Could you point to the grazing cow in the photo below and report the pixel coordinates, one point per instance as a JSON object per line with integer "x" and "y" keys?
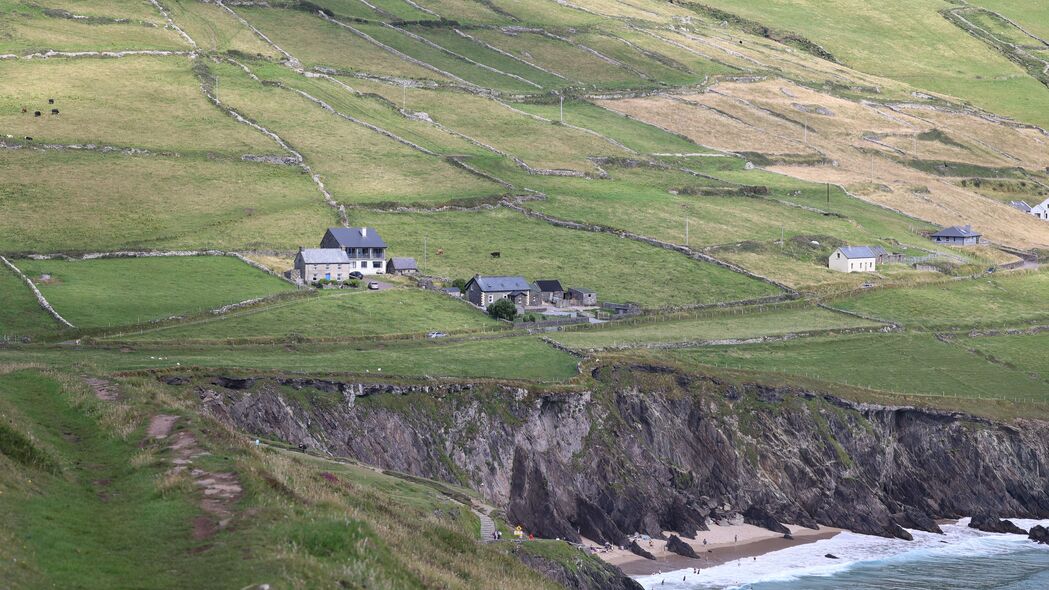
{"x": 440, "y": 251}
{"x": 27, "y": 138}
{"x": 25, "y": 110}
{"x": 303, "y": 447}
{"x": 54, "y": 111}
{"x": 496, "y": 254}
{"x": 50, "y": 101}
{"x": 37, "y": 113}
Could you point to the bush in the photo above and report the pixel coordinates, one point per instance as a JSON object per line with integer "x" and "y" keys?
{"x": 504, "y": 309}
{"x": 460, "y": 284}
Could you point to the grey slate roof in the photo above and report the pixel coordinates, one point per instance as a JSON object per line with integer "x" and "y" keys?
{"x": 404, "y": 263}
{"x": 853, "y": 252}
{"x": 957, "y": 231}
{"x": 324, "y": 256}
{"x": 582, "y": 290}
{"x": 879, "y": 251}
{"x": 351, "y": 237}
{"x": 1021, "y": 205}
{"x": 501, "y": 284}
{"x": 549, "y": 286}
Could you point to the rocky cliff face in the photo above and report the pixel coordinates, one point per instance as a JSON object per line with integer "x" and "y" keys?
{"x": 647, "y": 449}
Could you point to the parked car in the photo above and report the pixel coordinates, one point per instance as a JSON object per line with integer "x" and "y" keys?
{"x": 436, "y": 335}
{"x": 357, "y": 275}
{"x": 867, "y": 285}
{"x": 373, "y": 286}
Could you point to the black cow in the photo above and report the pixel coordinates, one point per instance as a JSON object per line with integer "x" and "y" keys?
{"x": 50, "y": 101}
{"x": 496, "y": 254}
{"x": 54, "y": 111}
{"x": 37, "y": 113}
{"x": 27, "y": 138}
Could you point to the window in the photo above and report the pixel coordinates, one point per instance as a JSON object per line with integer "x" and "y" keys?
{"x": 353, "y": 265}
{"x": 377, "y": 264}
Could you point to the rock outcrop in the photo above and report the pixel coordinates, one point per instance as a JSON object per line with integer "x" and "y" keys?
{"x": 586, "y": 573}
{"x": 649, "y": 449}
{"x": 1039, "y": 534}
{"x": 990, "y": 523}
{"x": 676, "y": 545}
{"x": 636, "y": 549}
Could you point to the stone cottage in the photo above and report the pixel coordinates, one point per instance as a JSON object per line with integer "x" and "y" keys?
{"x": 317, "y": 264}
{"x": 958, "y": 235}
{"x": 485, "y": 290}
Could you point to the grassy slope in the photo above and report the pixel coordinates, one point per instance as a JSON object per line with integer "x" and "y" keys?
{"x": 20, "y": 315}
{"x": 153, "y": 103}
{"x": 498, "y": 358}
{"x": 1033, "y": 15}
{"x": 395, "y": 172}
{"x": 110, "y": 517}
{"x": 112, "y": 292}
{"x": 905, "y": 363}
{"x": 1023, "y": 352}
{"x": 618, "y": 269}
{"x": 337, "y": 314}
{"x": 92, "y": 201}
{"x": 910, "y": 42}
{"x": 716, "y": 327}
{"x": 25, "y": 29}
{"x": 999, "y": 300}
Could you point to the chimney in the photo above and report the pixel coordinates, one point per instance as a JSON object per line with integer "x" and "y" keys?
{"x": 301, "y": 248}
{"x": 364, "y": 232}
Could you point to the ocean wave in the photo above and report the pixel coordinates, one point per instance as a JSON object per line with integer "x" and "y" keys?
{"x": 852, "y": 550}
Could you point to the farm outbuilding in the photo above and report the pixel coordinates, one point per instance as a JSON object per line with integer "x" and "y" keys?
{"x": 402, "y": 266}
{"x": 958, "y": 235}
{"x": 853, "y": 259}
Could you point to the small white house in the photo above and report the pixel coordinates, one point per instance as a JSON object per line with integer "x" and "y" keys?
{"x": 853, "y": 259}
{"x": 1041, "y": 210}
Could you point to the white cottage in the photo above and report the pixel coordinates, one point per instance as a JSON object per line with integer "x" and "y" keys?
{"x": 853, "y": 259}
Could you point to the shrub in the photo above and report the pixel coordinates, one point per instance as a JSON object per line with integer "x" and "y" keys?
{"x": 504, "y": 309}
{"x": 460, "y": 284}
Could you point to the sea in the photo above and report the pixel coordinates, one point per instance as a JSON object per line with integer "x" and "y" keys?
{"x": 960, "y": 559}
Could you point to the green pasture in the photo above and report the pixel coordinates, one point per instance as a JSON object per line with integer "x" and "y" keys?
{"x": 212, "y": 28}
{"x": 457, "y": 244}
{"x": 718, "y": 325}
{"x": 20, "y": 314}
{"x": 26, "y": 28}
{"x": 334, "y": 314}
{"x": 1004, "y": 299}
{"x": 540, "y": 144}
{"x": 1032, "y": 15}
{"x": 357, "y": 164}
{"x": 85, "y": 201}
{"x": 910, "y": 42}
{"x": 498, "y": 358}
{"x": 561, "y": 57}
{"x": 118, "y": 291}
{"x": 145, "y": 102}
{"x": 1023, "y": 352}
{"x": 642, "y": 137}
{"x": 917, "y": 364}
{"x": 477, "y": 51}
{"x": 445, "y": 62}
{"x": 317, "y": 42}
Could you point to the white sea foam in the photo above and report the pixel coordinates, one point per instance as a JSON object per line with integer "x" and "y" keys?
{"x": 850, "y": 548}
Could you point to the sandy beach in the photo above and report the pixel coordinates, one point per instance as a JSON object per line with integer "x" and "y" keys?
{"x": 724, "y": 544}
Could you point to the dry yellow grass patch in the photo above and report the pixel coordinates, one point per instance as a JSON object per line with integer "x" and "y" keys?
{"x": 771, "y": 117}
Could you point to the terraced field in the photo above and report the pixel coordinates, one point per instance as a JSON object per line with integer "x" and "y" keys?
{"x": 114, "y": 292}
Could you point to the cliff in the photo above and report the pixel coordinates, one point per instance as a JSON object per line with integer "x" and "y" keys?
{"x": 648, "y": 449}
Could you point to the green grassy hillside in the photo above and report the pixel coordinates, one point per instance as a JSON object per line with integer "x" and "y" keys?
{"x": 698, "y": 159}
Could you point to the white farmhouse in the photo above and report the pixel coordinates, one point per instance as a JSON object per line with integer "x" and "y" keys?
{"x": 1041, "y": 210}
{"x": 853, "y": 259}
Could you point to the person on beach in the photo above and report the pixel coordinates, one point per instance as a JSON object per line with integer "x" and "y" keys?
{"x": 704, "y": 540}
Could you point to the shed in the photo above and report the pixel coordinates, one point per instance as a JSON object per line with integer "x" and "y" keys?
{"x": 402, "y": 266}
{"x": 549, "y": 290}
{"x": 580, "y": 296}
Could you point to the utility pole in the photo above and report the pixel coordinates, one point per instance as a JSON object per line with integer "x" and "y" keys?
{"x": 781, "y": 237}
{"x": 562, "y": 97}
{"x": 828, "y": 193}
{"x": 404, "y": 96}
